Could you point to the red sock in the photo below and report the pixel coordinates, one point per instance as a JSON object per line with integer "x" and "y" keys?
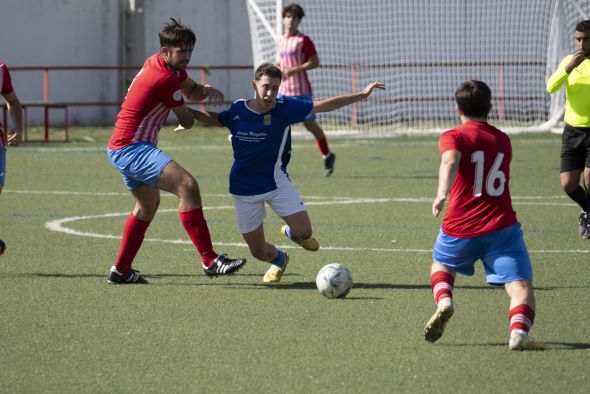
{"x": 133, "y": 232}
{"x": 196, "y": 227}
{"x": 521, "y": 317}
{"x": 441, "y": 284}
{"x": 323, "y": 146}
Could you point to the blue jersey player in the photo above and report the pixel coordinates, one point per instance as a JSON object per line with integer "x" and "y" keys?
{"x": 261, "y": 141}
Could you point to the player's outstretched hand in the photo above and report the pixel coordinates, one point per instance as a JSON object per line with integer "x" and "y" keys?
{"x": 373, "y": 85}
{"x": 214, "y": 96}
{"x": 15, "y": 137}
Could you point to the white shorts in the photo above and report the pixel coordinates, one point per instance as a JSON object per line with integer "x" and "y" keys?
{"x": 250, "y": 210}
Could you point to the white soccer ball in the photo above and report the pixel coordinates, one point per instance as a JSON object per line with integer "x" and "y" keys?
{"x": 334, "y": 281}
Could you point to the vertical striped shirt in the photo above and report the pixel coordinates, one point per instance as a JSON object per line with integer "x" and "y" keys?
{"x": 5, "y": 88}
{"x": 294, "y": 51}
{"x": 154, "y": 91}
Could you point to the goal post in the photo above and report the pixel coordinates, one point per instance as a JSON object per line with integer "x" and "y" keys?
{"x": 423, "y": 50}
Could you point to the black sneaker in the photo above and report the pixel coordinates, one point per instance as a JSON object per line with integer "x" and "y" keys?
{"x": 130, "y": 278}
{"x": 584, "y": 229}
{"x": 2, "y": 247}
{"x": 223, "y": 265}
{"x": 329, "y": 164}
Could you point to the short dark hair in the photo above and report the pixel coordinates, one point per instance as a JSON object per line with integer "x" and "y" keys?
{"x": 583, "y": 26}
{"x": 175, "y": 34}
{"x": 295, "y": 9}
{"x": 268, "y": 69}
{"x": 474, "y": 99}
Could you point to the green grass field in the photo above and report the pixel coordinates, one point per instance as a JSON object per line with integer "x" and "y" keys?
{"x": 64, "y": 329}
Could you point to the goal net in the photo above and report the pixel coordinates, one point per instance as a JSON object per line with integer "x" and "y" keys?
{"x": 422, "y": 50}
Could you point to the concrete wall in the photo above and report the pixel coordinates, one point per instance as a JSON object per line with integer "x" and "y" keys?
{"x": 88, "y": 33}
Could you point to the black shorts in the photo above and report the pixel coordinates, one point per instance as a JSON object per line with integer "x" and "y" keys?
{"x": 575, "y": 148}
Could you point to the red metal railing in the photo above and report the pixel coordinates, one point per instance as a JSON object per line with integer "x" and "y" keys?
{"x": 47, "y": 104}
{"x": 204, "y": 70}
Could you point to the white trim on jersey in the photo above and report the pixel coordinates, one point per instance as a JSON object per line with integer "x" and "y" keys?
{"x": 279, "y": 175}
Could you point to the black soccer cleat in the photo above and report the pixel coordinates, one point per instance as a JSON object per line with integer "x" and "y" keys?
{"x": 130, "y": 278}
{"x": 2, "y": 247}
{"x": 223, "y": 265}
{"x": 584, "y": 229}
{"x": 329, "y": 164}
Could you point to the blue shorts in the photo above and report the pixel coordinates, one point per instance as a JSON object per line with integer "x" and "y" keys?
{"x": 139, "y": 164}
{"x": 310, "y": 115}
{"x": 503, "y": 252}
{"x": 2, "y": 164}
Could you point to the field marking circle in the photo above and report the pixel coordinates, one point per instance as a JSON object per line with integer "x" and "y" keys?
{"x": 58, "y": 225}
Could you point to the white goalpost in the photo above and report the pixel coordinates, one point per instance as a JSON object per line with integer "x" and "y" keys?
{"x": 422, "y": 50}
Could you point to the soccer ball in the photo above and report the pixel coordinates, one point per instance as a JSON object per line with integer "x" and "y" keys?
{"x": 334, "y": 281}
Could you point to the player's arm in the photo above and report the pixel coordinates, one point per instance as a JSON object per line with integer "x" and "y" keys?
{"x": 15, "y": 110}
{"x": 556, "y": 81}
{"x": 310, "y": 64}
{"x": 332, "y": 103}
{"x": 449, "y": 164}
{"x": 207, "y": 117}
{"x": 577, "y": 58}
{"x": 196, "y": 92}
{"x": 185, "y": 117}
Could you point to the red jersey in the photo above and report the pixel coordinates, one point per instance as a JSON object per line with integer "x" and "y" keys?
{"x": 154, "y": 91}
{"x": 294, "y": 51}
{"x": 479, "y": 200}
{"x": 5, "y": 88}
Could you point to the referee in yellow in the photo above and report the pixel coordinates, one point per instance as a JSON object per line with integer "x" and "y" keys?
{"x": 574, "y": 72}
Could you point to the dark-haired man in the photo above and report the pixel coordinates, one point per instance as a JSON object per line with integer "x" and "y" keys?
{"x": 297, "y": 56}
{"x": 158, "y": 88}
{"x": 479, "y": 222}
{"x": 574, "y": 72}
{"x": 261, "y": 140}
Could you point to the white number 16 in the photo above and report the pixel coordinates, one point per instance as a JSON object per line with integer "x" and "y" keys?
{"x": 494, "y": 175}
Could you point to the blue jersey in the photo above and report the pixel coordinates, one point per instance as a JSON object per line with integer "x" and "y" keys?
{"x": 261, "y": 143}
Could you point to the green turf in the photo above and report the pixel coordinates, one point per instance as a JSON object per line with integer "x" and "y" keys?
{"x": 65, "y": 330}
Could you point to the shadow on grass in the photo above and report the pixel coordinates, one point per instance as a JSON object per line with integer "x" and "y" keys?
{"x": 568, "y": 346}
{"x": 295, "y": 285}
{"x": 549, "y": 345}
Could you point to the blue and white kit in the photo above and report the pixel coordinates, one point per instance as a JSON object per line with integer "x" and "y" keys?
{"x": 261, "y": 144}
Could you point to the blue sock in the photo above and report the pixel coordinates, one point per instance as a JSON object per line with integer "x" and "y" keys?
{"x": 280, "y": 260}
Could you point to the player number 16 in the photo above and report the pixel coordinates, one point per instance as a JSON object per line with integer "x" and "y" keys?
{"x": 495, "y": 176}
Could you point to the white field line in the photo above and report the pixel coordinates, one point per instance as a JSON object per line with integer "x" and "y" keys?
{"x": 517, "y": 200}
{"x": 58, "y": 226}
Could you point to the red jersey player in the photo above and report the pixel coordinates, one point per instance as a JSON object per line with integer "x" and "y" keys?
{"x": 12, "y": 137}
{"x": 479, "y": 222}
{"x": 297, "y": 55}
{"x": 158, "y": 88}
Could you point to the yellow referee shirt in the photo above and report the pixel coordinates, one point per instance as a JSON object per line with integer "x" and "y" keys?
{"x": 577, "y": 91}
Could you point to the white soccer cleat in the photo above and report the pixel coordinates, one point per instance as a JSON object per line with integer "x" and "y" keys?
{"x": 519, "y": 340}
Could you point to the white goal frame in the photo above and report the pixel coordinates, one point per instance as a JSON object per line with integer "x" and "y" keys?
{"x": 355, "y": 47}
